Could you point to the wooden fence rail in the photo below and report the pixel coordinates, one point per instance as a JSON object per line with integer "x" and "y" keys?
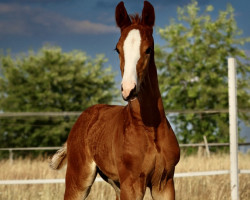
{"x": 181, "y": 145}
{"x": 206, "y": 145}
{"x": 176, "y": 175}
{"x": 77, "y": 113}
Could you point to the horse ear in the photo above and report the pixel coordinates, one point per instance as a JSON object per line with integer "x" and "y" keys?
{"x": 148, "y": 14}
{"x": 121, "y": 16}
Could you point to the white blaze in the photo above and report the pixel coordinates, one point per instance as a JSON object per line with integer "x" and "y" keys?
{"x": 131, "y": 48}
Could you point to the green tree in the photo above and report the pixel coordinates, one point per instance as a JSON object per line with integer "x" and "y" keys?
{"x": 192, "y": 68}
{"x": 49, "y": 80}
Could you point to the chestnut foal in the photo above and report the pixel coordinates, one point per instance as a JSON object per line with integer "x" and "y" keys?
{"x": 131, "y": 147}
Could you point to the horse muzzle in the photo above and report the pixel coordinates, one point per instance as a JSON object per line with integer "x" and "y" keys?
{"x": 128, "y": 93}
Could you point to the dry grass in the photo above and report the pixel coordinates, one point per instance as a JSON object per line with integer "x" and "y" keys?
{"x": 206, "y": 187}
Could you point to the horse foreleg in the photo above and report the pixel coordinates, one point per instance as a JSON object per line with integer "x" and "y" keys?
{"x": 133, "y": 189}
{"x": 165, "y": 193}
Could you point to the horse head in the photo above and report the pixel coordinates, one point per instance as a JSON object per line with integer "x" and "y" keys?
{"x": 135, "y": 47}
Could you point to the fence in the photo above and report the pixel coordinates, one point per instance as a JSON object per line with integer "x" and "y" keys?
{"x": 72, "y": 113}
{"x": 233, "y": 137}
{"x": 177, "y": 175}
{"x": 205, "y": 144}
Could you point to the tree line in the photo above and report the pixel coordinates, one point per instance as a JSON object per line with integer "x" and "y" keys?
{"x": 192, "y": 70}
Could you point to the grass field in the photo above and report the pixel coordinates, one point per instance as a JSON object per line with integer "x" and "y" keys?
{"x": 193, "y": 188}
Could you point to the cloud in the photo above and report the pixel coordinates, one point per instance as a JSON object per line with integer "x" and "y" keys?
{"x": 179, "y": 2}
{"x": 108, "y": 4}
{"x": 10, "y": 8}
{"x": 11, "y": 27}
{"x": 17, "y": 19}
{"x": 111, "y": 4}
{"x": 35, "y": 1}
{"x": 85, "y": 26}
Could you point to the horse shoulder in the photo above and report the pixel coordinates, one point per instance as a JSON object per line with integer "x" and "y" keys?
{"x": 101, "y": 132}
{"x": 168, "y": 145}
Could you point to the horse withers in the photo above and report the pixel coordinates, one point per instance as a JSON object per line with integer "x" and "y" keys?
{"x": 131, "y": 147}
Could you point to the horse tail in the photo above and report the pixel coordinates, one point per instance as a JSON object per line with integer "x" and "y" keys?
{"x": 58, "y": 160}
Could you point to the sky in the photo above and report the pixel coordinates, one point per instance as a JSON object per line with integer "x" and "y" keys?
{"x": 89, "y": 25}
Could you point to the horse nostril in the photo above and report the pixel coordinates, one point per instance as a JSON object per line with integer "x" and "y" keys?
{"x": 133, "y": 90}
{"x": 132, "y": 93}
{"x": 121, "y": 88}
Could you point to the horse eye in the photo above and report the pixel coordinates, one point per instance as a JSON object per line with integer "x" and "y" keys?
{"x": 148, "y": 51}
{"x": 117, "y": 50}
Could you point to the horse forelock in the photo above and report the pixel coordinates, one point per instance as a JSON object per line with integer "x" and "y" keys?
{"x": 135, "y": 19}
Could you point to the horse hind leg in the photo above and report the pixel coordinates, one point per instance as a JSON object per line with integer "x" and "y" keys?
{"x": 79, "y": 179}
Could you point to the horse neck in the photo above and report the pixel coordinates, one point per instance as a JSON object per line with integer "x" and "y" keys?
{"x": 148, "y": 106}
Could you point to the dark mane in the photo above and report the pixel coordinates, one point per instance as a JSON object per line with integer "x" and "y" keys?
{"x": 135, "y": 19}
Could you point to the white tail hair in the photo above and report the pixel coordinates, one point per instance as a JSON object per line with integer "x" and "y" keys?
{"x": 59, "y": 159}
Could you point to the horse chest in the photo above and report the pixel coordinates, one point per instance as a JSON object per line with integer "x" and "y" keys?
{"x": 119, "y": 144}
{"x": 135, "y": 150}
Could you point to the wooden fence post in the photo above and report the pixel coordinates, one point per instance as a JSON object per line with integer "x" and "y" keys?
{"x": 206, "y": 145}
{"x": 11, "y": 156}
{"x": 233, "y": 128}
